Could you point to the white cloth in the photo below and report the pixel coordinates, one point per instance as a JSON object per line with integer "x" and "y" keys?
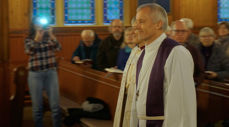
{"x": 179, "y": 89}
{"x": 132, "y": 60}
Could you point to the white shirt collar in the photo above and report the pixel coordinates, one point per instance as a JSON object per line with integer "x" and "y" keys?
{"x": 156, "y": 43}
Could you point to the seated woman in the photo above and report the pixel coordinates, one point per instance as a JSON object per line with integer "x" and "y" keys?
{"x": 87, "y": 48}
{"x": 215, "y": 61}
{"x": 125, "y": 50}
{"x": 223, "y": 40}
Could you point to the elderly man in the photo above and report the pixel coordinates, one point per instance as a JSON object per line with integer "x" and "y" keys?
{"x": 165, "y": 92}
{"x": 180, "y": 33}
{"x": 128, "y": 84}
{"x": 87, "y": 48}
{"x": 192, "y": 38}
{"x": 109, "y": 48}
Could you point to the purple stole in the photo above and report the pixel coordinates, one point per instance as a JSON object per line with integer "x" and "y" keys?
{"x": 155, "y": 98}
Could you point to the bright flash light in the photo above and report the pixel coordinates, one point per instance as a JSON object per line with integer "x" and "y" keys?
{"x": 43, "y": 21}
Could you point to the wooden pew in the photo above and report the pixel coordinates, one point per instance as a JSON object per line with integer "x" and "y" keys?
{"x": 213, "y": 102}
{"x": 78, "y": 82}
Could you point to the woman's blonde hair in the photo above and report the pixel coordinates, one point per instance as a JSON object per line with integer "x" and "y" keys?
{"x": 128, "y": 29}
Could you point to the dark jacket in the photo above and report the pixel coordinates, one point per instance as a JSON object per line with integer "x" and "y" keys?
{"x": 122, "y": 58}
{"x": 224, "y": 42}
{"x": 218, "y": 62}
{"x": 81, "y": 52}
{"x": 108, "y": 52}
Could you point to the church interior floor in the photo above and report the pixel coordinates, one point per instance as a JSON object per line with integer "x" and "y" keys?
{"x": 28, "y": 119}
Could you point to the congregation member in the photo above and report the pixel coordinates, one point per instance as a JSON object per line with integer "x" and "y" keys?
{"x": 41, "y": 45}
{"x": 180, "y": 33}
{"x": 108, "y": 50}
{"x": 223, "y": 40}
{"x": 215, "y": 60}
{"x": 87, "y": 48}
{"x": 126, "y": 48}
{"x": 193, "y": 39}
{"x": 165, "y": 92}
{"x": 128, "y": 83}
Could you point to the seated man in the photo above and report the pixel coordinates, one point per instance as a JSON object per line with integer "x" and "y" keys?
{"x": 216, "y": 61}
{"x": 109, "y": 47}
{"x": 126, "y": 48}
{"x": 180, "y": 33}
{"x": 87, "y": 48}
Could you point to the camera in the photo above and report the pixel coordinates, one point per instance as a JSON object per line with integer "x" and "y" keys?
{"x": 43, "y": 22}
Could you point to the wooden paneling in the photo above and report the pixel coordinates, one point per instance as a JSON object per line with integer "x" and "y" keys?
{"x": 67, "y": 36}
{"x": 19, "y": 14}
{"x": 78, "y": 83}
{"x": 4, "y": 88}
{"x": 203, "y": 12}
{"x": 16, "y": 52}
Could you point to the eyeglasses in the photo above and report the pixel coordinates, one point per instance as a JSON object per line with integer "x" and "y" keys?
{"x": 206, "y": 36}
{"x": 180, "y": 31}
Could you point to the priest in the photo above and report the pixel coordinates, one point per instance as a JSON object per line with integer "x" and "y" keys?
{"x": 165, "y": 92}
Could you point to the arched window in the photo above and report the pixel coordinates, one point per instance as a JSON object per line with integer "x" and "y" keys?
{"x": 223, "y": 10}
{"x": 79, "y": 12}
{"x": 113, "y": 9}
{"x": 44, "y": 8}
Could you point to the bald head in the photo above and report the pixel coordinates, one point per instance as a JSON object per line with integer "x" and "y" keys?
{"x": 180, "y": 32}
{"x": 87, "y": 33}
{"x": 116, "y": 28}
{"x": 88, "y": 37}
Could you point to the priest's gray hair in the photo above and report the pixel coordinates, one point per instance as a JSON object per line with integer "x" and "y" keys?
{"x": 90, "y": 33}
{"x": 158, "y": 13}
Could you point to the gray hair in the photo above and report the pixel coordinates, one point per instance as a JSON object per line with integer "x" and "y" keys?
{"x": 160, "y": 13}
{"x": 189, "y": 23}
{"x": 88, "y": 32}
{"x": 174, "y": 23}
{"x": 207, "y": 30}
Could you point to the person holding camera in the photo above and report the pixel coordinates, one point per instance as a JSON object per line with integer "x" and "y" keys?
{"x": 41, "y": 45}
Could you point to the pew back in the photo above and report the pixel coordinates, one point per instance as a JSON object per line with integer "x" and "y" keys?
{"x": 78, "y": 82}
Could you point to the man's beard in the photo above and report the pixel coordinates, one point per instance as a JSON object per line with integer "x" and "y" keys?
{"x": 117, "y": 34}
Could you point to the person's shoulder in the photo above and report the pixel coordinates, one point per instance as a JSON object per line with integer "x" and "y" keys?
{"x": 218, "y": 49}
{"x": 180, "y": 50}
{"x": 122, "y": 51}
{"x": 108, "y": 38}
{"x": 107, "y": 41}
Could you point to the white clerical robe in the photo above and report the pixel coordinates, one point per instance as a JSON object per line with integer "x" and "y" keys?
{"x": 128, "y": 85}
{"x": 179, "y": 89}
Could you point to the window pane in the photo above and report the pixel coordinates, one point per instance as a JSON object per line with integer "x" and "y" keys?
{"x": 44, "y": 8}
{"x": 79, "y": 12}
{"x": 223, "y": 10}
{"x": 113, "y": 9}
